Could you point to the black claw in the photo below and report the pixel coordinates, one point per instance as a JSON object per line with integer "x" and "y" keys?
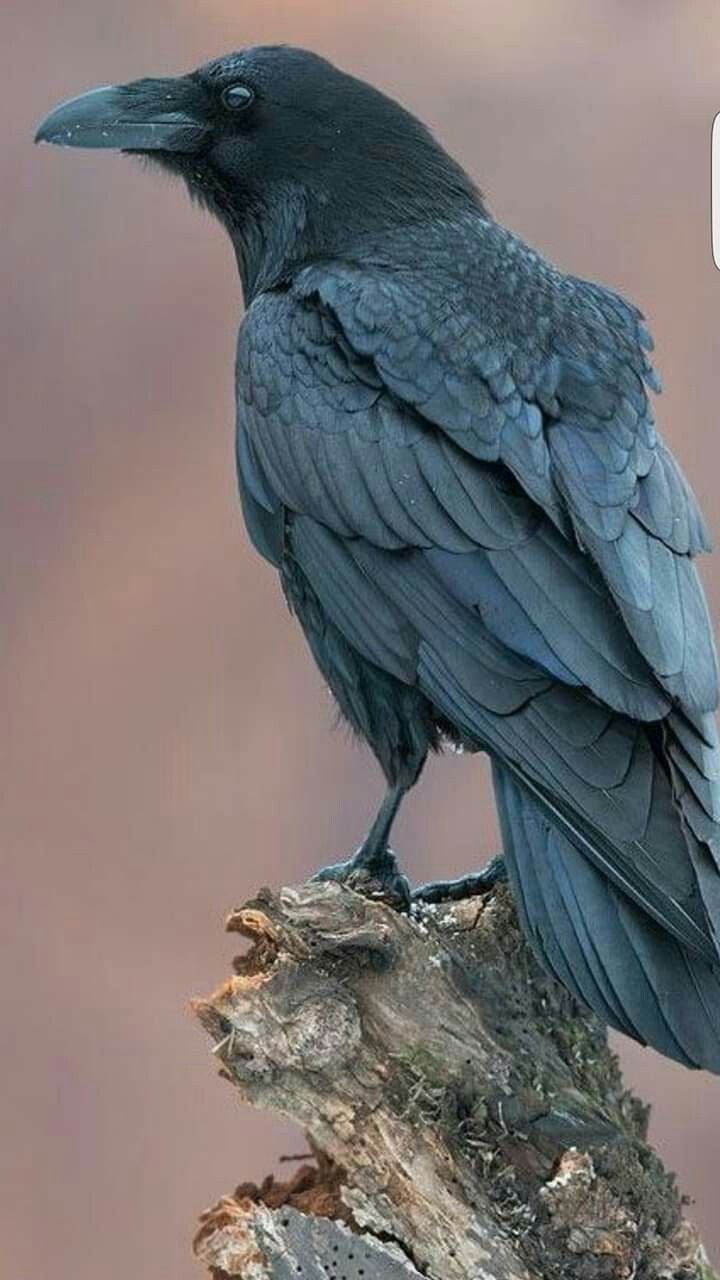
{"x": 375, "y": 877}
{"x": 465, "y": 887}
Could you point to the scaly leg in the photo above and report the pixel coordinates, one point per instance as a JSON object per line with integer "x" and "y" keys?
{"x": 373, "y": 870}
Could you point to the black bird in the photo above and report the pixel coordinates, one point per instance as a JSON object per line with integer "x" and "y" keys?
{"x": 446, "y": 448}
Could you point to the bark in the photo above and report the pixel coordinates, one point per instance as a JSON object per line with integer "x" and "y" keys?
{"x": 466, "y": 1118}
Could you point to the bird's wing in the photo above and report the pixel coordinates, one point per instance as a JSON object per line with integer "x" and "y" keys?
{"x": 516, "y": 363}
{"x": 371, "y": 397}
{"x": 502, "y": 525}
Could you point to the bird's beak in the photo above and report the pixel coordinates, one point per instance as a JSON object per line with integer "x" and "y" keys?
{"x": 146, "y": 115}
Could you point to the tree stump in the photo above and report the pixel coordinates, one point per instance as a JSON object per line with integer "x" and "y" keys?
{"x": 466, "y": 1117}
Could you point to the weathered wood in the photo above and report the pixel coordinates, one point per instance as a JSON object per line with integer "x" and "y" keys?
{"x": 468, "y": 1119}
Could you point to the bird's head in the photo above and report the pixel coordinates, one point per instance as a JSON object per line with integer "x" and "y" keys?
{"x": 295, "y": 156}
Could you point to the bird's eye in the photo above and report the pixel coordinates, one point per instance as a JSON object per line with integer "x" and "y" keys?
{"x": 237, "y": 96}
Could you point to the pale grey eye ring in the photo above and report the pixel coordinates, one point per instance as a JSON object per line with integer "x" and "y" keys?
{"x": 237, "y": 97}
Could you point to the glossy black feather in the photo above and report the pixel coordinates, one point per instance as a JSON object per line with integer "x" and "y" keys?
{"x": 613, "y": 956}
{"x": 447, "y": 448}
{"x": 478, "y": 500}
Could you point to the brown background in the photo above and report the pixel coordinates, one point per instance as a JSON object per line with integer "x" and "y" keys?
{"x": 166, "y": 741}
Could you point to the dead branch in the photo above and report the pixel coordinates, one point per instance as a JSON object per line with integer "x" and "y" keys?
{"x": 466, "y": 1118}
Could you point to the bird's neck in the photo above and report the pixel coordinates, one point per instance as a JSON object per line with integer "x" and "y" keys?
{"x": 274, "y": 236}
{"x": 271, "y": 238}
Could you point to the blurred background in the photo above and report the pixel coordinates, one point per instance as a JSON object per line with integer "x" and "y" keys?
{"x": 167, "y": 743}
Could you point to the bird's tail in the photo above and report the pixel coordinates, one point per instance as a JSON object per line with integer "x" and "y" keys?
{"x": 610, "y": 953}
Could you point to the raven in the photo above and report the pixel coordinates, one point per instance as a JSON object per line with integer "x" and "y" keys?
{"x": 445, "y": 446}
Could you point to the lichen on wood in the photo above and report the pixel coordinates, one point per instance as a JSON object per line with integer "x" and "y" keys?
{"x": 467, "y": 1118}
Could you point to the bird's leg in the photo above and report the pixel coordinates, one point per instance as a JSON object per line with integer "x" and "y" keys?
{"x": 465, "y": 886}
{"x": 373, "y": 870}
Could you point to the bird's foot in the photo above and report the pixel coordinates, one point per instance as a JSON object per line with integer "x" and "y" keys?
{"x": 374, "y": 874}
{"x": 465, "y": 887}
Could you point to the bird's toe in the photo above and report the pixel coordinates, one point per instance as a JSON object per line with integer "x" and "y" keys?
{"x": 465, "y": 886}
{"x": 377, "y": 877}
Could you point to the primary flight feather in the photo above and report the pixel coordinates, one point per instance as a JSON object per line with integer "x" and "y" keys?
{"x": 447, "y": 449}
